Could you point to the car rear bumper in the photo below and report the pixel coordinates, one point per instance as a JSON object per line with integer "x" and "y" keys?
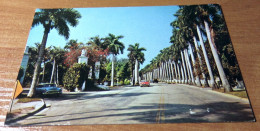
{"x": 144, "y": 85}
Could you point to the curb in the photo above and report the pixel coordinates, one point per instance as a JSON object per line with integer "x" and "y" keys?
{"x": 38, "y": 109}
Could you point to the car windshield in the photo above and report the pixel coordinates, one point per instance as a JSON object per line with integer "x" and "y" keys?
{"x": 142, "y": 80}
{"x": 46, "y": 85}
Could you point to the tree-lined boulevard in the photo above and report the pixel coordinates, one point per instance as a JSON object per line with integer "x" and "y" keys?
{"x": 160, "y": 103}
{"x": 101, "y": 88}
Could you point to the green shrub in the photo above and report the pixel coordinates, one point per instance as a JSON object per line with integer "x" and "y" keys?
{"x": 121, "y": 82}
{"x": 126, "y": 82}
{"x": 75, "y": 76}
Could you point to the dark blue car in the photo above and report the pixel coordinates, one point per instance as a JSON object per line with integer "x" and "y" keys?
{"x": 48, "y": 89}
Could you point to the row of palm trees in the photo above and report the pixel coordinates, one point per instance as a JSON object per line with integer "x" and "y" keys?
{"x": 59, "y": 19}
{"x": 181, "y": 62}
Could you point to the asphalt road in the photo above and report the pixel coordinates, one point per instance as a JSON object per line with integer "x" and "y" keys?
{"x": 160, "y": 103}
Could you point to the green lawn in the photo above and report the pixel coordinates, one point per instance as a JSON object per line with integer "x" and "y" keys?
{"x": 25, "y": 100}
{"x": 241, "y": 94}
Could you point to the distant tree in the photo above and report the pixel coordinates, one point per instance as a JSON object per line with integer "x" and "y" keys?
{"x": 73, "y": 44}
{"x": 97, "y": 51}
{"x": 124, "y": 71}
{"x": 57, "y": 56}
{"x": 73, "y": 52}
{"x": 137, "y": 54}
{"x": 115, "y": 47}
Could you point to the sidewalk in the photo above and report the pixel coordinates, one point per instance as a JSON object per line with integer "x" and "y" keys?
{"x": 22, "y": 110}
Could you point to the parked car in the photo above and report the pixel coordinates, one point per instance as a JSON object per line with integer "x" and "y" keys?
{"x": 144, "y": 83}
{"x": 48, "y": 89}
{"x": 155, "y": 81}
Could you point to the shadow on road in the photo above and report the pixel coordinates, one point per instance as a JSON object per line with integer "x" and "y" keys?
{"x": 172, "y": 113}
{"x": 114, "y": 95}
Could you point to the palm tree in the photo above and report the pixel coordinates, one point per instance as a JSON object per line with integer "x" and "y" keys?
{"x": 114, "y": 45}
{"x": 52, "y": 18}
{"x": 184, "y": 68}
{"x": 57, "y": 56}
{"x": 96, "y": 43}
{"x": 222, "y": 74}
{"x": 73, "y": 45}
{"x": 185, "y": 24}
{"x": 205, "y": 15}
{"x": 211, "y": 84}
{"x": 46, "y": 57}
{"x": 137, "y": 54}
{"x": 197, "y": 80}
{"x": 189, "y": 66}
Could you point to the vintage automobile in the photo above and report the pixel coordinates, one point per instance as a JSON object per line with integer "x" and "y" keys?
{"x": 48, "y": 89}
{"x": 144, "y": 83}
{"x": 155, "y": 80}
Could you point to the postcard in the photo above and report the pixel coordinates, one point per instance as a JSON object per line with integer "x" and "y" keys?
{"x": 129, "y": 65}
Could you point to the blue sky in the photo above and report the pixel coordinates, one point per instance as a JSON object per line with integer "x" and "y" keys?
{"x": 148, "y": 26}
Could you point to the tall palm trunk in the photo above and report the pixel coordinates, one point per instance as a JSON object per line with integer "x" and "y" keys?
{"x": 171, "y": 64}
{"x": 53, "y": 69}
{"x": 43, "y": 71}
{"x": 159, "y": 75}
{"x": 38, "y": 64}
{"x": 158, "y": 71}
{"x": 112, "y": 71}
{"x": 167, "y": 70}
{"x": 183, "y": 65}
{"x": 152, "y": 75}
{"x": 136, "y": 72}
{"x": 175, "y": 70}
{"x": 211, "y": 84}
{"x": 182, "y": 74}
{"x": 179, "y": 74}
{"x": 189, "y": 65}
{"x": 162, "y": 73}
{"x": 197, "y": 79}
{"x": 133, "y": 76}
{"x": 57, "y": 71}
{"x": 200, "y": 61}
{"x": 222, "y": 74}
{"x": 54, "y": 76}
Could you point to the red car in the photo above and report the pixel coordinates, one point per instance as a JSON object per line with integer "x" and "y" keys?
{"x": 144, "y": 83}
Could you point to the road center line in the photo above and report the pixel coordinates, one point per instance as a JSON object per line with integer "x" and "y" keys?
{"x": 160, "y": 117}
